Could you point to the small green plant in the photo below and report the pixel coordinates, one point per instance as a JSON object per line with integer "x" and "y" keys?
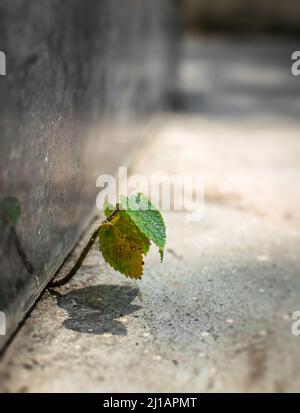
{"x": 10, "y": 211}
{"x": 125, "y": 236}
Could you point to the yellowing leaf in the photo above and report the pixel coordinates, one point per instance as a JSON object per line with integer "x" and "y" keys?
{"x": 123, "y": 245}
{"x": 124, "y": 238}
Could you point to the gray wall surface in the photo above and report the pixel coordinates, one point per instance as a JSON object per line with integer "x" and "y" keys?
{"x": 78, "y": 74}
{"x": 267, "y": 16}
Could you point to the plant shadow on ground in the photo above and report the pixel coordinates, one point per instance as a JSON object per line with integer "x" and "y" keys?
{"x": 95, "y": 309}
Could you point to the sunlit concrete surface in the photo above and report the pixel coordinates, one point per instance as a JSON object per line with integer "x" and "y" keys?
{"x": 217, "y": 314}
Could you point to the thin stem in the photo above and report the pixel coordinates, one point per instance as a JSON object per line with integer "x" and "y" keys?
{"x": 77, "y": 265}
{"x": 61, "y": 281}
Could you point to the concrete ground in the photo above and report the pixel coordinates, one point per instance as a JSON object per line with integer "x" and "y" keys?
{"x": 216, "y": 315}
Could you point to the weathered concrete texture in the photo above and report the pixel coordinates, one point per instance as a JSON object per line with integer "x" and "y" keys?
{"x": 73, "y": 68}
{"x": 216, "y": 316}
{"x": 249, "y": 165}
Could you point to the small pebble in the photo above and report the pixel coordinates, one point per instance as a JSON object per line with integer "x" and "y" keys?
{"x": 27, "y": 366}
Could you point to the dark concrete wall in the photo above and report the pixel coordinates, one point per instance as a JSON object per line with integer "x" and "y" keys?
{"x": 78, "y": 74}
{"x": 243, "y": 16}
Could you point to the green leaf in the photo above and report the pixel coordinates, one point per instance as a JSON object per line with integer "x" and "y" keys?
{"x": 124, "y": 238}
{"x": 10, "y": 210}
{"x": 147, "y": 218}
{"x": 122, "y": 245}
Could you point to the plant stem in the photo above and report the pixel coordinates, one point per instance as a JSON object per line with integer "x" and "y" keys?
{"x": 77, "y": 265}
{"x": 81, "y": 258}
